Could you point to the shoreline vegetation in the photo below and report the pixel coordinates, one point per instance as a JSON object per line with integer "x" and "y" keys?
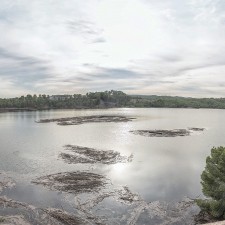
{"x": 106, "y": 99}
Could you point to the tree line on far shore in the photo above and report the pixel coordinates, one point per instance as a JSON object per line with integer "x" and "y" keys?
{"x": 89, "y": 100}
{"x": 108, "y": 99}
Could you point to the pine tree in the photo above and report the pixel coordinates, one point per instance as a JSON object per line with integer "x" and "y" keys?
{"x": 213, "y": 184}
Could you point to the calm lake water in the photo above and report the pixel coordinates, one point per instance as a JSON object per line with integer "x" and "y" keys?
{"x": 163, "y": 168}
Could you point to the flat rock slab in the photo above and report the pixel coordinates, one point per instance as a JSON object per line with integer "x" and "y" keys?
{"x": 217, "y": 223}
{"x": 167, "y": 133}
{"x": 79, "y": 154}
{"x": 87, "y": 119}
{"x": 73, "y": 182}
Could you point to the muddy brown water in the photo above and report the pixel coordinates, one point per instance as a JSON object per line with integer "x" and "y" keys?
{"x": 163, "y": 170}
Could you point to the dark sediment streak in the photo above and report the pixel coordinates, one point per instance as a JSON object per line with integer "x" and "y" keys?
{"x": 79, "y": 154}
{"x": 73, "y": 182}
{"x": 87, "y": 119}
{"x": 167, "y": 133}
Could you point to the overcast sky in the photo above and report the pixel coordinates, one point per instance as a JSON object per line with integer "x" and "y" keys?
{"x": 163, "y": 47}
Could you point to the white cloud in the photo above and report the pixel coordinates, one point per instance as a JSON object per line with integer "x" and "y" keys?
{"x": 152, "y": 47}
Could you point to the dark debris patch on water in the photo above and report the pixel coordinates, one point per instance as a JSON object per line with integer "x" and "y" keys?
{"x": 5, "y": 182}
{"x": 87, "y": 119}
{"x": 79, "y": 154}
{"x": 65, "y": 218}
{"x": 20, "y": 213}
{"x": 168, "y": 133}
{"x": 24, "y": 214}
{"x": 125, "y": 195}
{"x": 173, "y": 213}
{"x": 196, "y": 129}
{"x": 14, "y": 220}
{"x": 73, "y": 182}
{"x": 139, "y": 213}
{"x": 136, "y": 211}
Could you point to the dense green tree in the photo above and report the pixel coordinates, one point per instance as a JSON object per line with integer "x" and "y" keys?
{"x": 213, "y": 184}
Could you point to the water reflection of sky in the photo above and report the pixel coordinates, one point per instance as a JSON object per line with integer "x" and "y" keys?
{"x": 162, "y": 168}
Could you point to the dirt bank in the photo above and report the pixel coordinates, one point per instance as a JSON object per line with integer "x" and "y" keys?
{"x": 205, "y": 218}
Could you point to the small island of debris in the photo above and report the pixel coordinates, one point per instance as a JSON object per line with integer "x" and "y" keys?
{"x": 25, "y": 214}
{"x": 73, "y": 182}
{"x": 5, "y": 182}
{"x": 87, "y": 119}
{"x": 79, "y": 154}
{"x": 167, "y": 133}
{"x": 196, "y": 129}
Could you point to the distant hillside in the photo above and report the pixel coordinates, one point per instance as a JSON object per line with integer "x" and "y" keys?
{"x": 106, "y": 99}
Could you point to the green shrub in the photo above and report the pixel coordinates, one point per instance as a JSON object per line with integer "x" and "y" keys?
{"x": 2, "y": 220}
{"x": 213, "y": 184}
